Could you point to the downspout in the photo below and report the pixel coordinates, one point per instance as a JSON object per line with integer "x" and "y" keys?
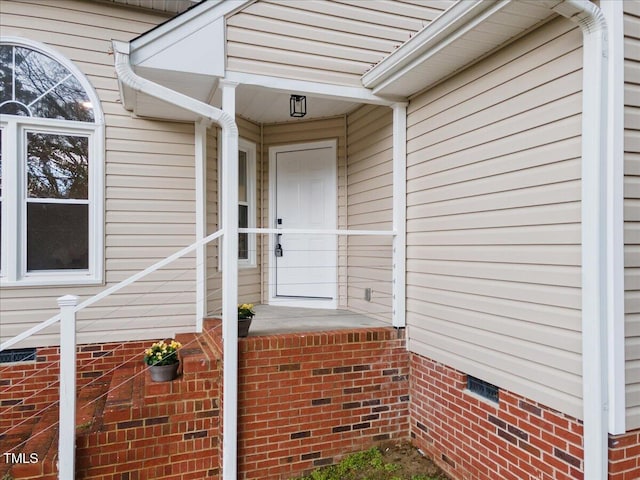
{"x": 594, "y": 241}
{"x": 230, "y": 233}
{"x": 399, "y": 308}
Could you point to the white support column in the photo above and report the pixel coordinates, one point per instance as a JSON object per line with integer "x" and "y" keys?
{"x": 612, "y": 11}
{"x": 67, "y": 422}
{"x": 201, "y": 222}
{"x": 399, "y": 214}
{"x": 230, "y": 288}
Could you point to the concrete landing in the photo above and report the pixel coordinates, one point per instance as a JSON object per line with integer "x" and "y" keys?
{"x": 271, "y": 319}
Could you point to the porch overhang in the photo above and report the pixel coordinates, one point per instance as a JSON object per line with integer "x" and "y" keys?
{"x": 463, "y": 34}
{"x": 185, "y": 54}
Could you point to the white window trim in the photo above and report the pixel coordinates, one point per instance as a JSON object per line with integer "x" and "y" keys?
{"x": 251, "y": 150}
{"x": 13, "y": 258}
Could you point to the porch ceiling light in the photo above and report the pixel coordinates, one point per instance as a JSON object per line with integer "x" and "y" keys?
{"x": 298, "y": 106}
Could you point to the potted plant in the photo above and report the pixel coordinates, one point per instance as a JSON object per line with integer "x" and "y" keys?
{"x": 163, "y": 360}
{"x": 245, "y": 315}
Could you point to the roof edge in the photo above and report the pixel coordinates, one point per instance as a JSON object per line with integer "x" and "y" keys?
{"x": 456, "y": 20}
{"x": 192, "y": 19}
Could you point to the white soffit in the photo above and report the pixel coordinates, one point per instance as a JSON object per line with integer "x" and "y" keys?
{"x": 200, "y": 87}
{"x": 264, "y": 105}
{"x": 466, "y": 31}
{"x": 165, "y": 6}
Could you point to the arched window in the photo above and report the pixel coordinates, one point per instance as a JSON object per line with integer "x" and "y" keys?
{"x": 51, "y": 145}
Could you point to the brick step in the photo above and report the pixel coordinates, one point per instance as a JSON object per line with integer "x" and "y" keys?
{"x": 195, "y": 354}
{"x": 90, "y": 405}
{"x": 34, "y": 444}
{"x": 212, "y": 335}
{"x": 124, "y": 393}
{"x": 12, "y": 441}
{"x": 39, "y": 452}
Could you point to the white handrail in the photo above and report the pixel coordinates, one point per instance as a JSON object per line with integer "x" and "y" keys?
{"x": 105, "y": 293}
{"x": 317, "y": 231}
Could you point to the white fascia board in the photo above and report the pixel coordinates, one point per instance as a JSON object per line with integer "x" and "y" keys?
{"x": 321, "y": 90}
{"x": 182, "y": 43}
{"x": 450, "y": 24}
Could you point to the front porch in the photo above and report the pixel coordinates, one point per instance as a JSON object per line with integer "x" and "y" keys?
{"x": 272, "y": 320}
{"x": 305, "y": 398}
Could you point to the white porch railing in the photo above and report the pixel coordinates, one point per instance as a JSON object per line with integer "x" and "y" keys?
{"x": 67, "y": 317}
{"x": 69, "y": 307}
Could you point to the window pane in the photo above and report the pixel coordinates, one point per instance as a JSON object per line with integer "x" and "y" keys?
{"x": 68, "y": 101}
{"x": 57, "y": 236}
{"x": 1, "y": 162}
{"x": 242, "y": 176}
{"x": 36, "y": 85}
{"x": 6, "y": 72}
{"x": 57, "y": 166}
{"x": 243, "y": 238}
{"x": 35, "y": 74}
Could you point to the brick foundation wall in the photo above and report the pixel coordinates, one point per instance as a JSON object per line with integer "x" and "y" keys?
{"x": 624, "y": 456}
{"x": 306, "y": 400}
{"x": 476, "y": 439}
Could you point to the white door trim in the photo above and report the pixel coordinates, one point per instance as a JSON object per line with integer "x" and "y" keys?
{"x": 299, "y": 302}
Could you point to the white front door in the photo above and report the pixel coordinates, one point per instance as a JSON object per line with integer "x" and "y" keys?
{"x": 304, "y": 197}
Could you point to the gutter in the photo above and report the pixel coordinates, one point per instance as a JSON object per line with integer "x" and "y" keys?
{"x": 128, "y": 77}
{"x": 595, "y": 396}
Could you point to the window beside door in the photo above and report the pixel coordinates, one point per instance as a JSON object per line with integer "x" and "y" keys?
{"x": 247, "y": 203}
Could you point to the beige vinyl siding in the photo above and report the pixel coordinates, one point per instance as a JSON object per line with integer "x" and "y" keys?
{"x": 249, "y": 289}
{"x": 632, "y": 209}
{"x": 214, "y": 275}
{"x": 149, "y": 187}
{"x": 304, "y": 132}
{"x": 370, "y": 207}
{"x": 493, "y": 219}
{"x": 322, "y": 41}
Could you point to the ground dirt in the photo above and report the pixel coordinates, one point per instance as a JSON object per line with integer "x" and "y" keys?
{"x": 412, "y": 463}
{"x": 391, "y": 461}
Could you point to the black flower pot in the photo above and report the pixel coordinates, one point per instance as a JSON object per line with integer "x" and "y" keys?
{"x": 163, "y": 373}
{"x": 243, "y": 326}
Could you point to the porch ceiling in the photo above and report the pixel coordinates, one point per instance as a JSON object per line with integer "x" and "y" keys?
{"x": 258, "y": 104}
{"x": 264, "y": 105}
